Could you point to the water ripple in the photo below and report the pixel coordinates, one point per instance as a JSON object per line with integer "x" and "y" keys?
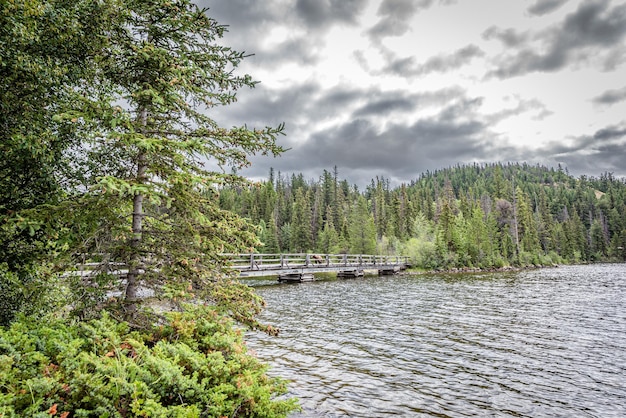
{"x": 539, "y": 343}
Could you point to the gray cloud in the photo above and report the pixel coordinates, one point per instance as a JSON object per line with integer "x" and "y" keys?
{"x": 542, "y": 7}
{"x": 388, "y": 103}
{"x": 593, "y": 24}
{"x": 308, "y": 103}
{"x": 404, "y": 151}
{"x": 522, "y": 106}
{"x": 360, "y": 59}
{"x": 243, "y": 13}
{"x": 400, "y": 151}
{"x": 316, "y": 13}
{"x": 294, "y": 105}
{"x": 607, "y": 134}
{"x": 590, "y": 144}
{"x": 400, "y": 8}
{"x": 302, "y": 50}
{"x": 457, "y": 133}
{"x": 593, "y": 32}
{"x": 384, "y": 107}
{"x": 339, "y": 98}
{"x": 395, "y": 16}
{"x": 251, "y": 15}
{"x": 602, "y": 151}
{"x": 457, "y": 59}
{"x": 509, "y": 37}
{"x": 407, "y": 67}
{"x": 611, "y": 97}
{"x": 608, "y": 158}
{"x": 249, "y": 22}
{"x": 614, "y": 59}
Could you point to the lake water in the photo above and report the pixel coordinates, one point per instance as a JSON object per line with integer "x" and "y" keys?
{"x": 540, "y": 343}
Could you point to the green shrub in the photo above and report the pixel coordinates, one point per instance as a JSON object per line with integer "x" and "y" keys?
{"x": 25, "y": 290}
{"x": 499, "y": 261}
{"x": 422, "y": 253}
{"x": 12, "y": 296}
{"x": 194, "y": 365}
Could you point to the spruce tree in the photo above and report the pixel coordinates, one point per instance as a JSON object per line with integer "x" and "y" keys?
{"x": 362, "y": 228}
{"x": 147, "y": 197}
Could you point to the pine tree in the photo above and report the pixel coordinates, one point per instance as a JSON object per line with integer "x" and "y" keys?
{"x": 328, "y": 242}
{"x": 577, "y": 245}
{"x": 301, "y": 238}
{"x": 144, "y": 197}
{"x": 597, "y": 240}
{"x": 272, "y": 244}
{"x": 362, "y": 229}
{"x": 527, "y": 229}
{"x": 286, "y": 238}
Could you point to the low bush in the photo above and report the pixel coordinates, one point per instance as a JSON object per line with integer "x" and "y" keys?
{"x": 194, "y": 365}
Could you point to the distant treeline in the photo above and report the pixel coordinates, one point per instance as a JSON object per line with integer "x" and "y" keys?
{"x": 481, "y": 215}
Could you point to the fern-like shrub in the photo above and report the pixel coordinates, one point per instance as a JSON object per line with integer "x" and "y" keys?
{"x": 195, "y": 365}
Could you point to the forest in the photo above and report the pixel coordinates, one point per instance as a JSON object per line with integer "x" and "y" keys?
{"x": 468, "y": 216}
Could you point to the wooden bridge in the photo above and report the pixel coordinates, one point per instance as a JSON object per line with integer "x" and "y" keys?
{"x": 300, "y": 267}
{"x": 287, "y": 267}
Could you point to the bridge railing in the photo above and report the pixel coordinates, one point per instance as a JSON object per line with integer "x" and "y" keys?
{"x": 257, "y": 261}
{"x": 251, "y": 262}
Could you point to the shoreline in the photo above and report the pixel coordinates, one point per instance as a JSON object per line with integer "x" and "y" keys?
{"x": 458, "y": 270}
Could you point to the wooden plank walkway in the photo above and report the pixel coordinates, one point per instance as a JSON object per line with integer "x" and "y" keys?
{"x": 295, "y": 267}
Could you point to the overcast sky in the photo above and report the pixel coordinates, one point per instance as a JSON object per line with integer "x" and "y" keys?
{"x": 393, "y": 88}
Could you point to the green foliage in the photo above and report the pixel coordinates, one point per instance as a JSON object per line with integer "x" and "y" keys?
{"x": 30, "y": 292}
{"x": 12, "y": 295}
{"x": 166, "y": 63}
{"x": 45, "y": 51}
{"x": 193, "y": 365}
{"x": 421, "y": 247}
{"x": 362, "y": 230}
{"x": 421, "y": 253}
{"x": 104, "y": 114}
{"x": 105, "y": 137}
{"x": 328, "y": 240}
{"x": 300, "y": 238}
{"x": 486, "y": 216}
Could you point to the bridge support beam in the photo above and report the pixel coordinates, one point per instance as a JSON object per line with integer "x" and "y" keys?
{"x": 296, "y": 277}
{"x": 390, "y": 271}
{"x": 350, "y": 274}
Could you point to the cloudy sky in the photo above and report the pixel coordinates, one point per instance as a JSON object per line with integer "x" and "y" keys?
{"x": 393, "y": 88}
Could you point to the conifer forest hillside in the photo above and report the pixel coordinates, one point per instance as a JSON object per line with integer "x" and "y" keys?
{"x": 467, "y": 216}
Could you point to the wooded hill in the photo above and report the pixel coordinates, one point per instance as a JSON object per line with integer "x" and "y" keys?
{"x": 486, "y": 216}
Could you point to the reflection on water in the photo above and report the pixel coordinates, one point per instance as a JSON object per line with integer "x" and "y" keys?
{"x": 529, "y": 344}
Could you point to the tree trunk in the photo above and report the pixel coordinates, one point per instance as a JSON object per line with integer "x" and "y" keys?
{"x": 515, "y": 223}
{"x": 135, "y": 265}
